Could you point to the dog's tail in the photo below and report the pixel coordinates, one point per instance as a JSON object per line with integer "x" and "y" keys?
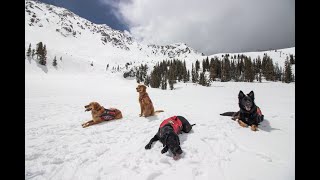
{"x": 158, "y": 111}
{"x": 228, "y": 114}
{"x": 193, "y": 124}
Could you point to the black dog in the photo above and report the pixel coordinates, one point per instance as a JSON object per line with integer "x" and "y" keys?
{"x": 249, "y": 113}
{"x": 168, "y": 134}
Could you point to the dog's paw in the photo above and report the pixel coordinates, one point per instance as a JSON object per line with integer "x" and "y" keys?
{"x": 140, "y": 115}
{"x": 254, "y": 128}
{"x": 148, "y": 146}
{"x": 241, "y": 123}
{"x": 84, "y": 125}
{"x": 164, "y": 150}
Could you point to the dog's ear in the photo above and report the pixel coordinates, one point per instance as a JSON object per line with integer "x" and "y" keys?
{"x": 241, "y": 95}
{"x": 251, "y": 95}
{"x": 96, "y": 105}
{"x": 144, "y": 88}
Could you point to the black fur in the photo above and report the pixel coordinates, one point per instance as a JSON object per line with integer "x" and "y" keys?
{"x": 169, "y": 138}
{"x": 248, "y": 110}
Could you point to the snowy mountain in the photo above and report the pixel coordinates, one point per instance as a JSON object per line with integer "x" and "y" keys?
{"x": 80, "y": 42}
{"x": 65, "y": 33}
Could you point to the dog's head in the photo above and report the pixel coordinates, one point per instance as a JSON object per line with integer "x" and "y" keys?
{"x": 92, "y": 106}
{"x": 173, "y": 143}
{"x": 141, "y": 88}
{"x": 246, "y": 102}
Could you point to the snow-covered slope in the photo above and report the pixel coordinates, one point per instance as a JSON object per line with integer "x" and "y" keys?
{"x": 57, "y": 147}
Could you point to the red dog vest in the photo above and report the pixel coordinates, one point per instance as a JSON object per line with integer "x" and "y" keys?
{"x": 175, "y": 122}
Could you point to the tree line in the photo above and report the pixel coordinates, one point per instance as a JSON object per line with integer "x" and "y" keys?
{"x": 239, "y": 68}
{"x": 41, "y": 54}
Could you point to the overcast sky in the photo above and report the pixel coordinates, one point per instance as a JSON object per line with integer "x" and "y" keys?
{"x": 209, "y": 26}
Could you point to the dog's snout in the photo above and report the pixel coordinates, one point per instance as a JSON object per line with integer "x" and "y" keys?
{"x": 86, "y": 106}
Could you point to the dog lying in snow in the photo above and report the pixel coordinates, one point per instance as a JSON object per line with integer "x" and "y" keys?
{"x": 100, "y": 114}
{"x": 168, "y": 135}
{"x": 249, "y": 114}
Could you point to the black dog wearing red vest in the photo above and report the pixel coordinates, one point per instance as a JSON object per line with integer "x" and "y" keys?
{"x": 168, "y": 134}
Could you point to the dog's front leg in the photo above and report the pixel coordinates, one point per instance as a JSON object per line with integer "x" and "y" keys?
{"x": 89, "y": 123}
{"x": 241, "y": 123}
{"x": 165, "y": 149}
{"x": 155, "y": 138}
{"x": 141, "y": 111}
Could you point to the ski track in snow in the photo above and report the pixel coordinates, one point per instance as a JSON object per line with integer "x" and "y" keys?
{"x": 57, "y": 147}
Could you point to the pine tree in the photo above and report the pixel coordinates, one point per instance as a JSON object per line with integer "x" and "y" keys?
{"x": 42, "y": 53}
{"x": 287, "y": 72}
{"x": 138, "y": 76}
{"x": 225, "y": 68}
{"x": 39, "y": 50}
{"x": 155, "y": 77}
{"x": 29, "y": 50}
{"x": 32, "y": 54}
{"x": 260, "y": 76}
{"x": 188, "y": 76}
{"x": 197, "y": 66}
{"x": 248, "y": 70}
{"x": 292, "y": 59}
{"x": 54, "y": 63}
{"x": 147, "y": 81}
{"x": 202, "y": 79}
{"x": 193, "y": 79}
{"x": 164, "y": 83}
{"x": 207, "y": 64}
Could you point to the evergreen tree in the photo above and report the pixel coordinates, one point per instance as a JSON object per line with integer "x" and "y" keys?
{"x": 248, "y": 70}
{"x": 42, "y": 53}
{"x": 164, "y": 83}
{"x": 155, "y": 77}
{"x": 287, "y": 72}
{"x": 292, "y": 59}
{"x": 54, "y": 63}
{"x": 32, "y": 54}
{"x": 202, "y": 79}
{"x": 29, "y": 50}
{"x": 207, "y": 64}
{"x": 147, "y": 81}
{"x": 225, "y": 69}
{"x": 197, "y": 66}
{"x": 138, "y": 76}
{"x": 39, "y": 49}
{"x": 193, "y": 74}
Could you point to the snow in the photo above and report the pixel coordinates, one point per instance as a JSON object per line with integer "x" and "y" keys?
{"x": 57, "y": 147}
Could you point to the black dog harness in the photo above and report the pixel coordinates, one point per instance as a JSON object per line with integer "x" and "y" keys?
{"x": 254, "y": 115}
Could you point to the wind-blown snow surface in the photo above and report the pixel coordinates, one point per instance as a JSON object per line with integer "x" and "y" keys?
{"x": 57, "y": 147}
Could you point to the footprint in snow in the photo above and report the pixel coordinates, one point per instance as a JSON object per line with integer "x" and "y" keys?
{"x": 153, "y": 175}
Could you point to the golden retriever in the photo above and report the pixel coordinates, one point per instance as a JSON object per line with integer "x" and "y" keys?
{"x": 100, "y": 114}
{"x": 146, "y": 106}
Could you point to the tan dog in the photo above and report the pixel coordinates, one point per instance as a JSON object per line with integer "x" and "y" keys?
{"x": 146, "y": 106}
{"x": 100, "y": 114}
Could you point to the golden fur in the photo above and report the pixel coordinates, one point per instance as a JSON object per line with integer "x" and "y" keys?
{"x": 146, "y": 106}
{"x": 96, "y": 111}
